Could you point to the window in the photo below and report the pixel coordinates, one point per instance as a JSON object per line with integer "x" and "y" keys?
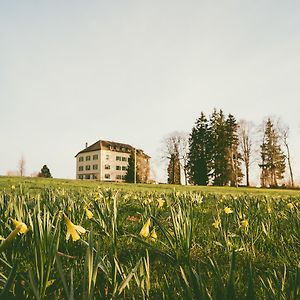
{"x": 118, "y": 158}
{"x": 95, "y": 167}
{"x": 95, "y": 156}
{"x": 107, "y": 156}
{"x": 80, "y": 177}
{"x": 118, "y": 168}
{"x": 107, "y": 176}
{"x": 118, "y": 177}
{"x": 87, "y": 167}
{"x": 124, "y": 168}
{"x": 123, "y": 177}
{"x": 107, "y": 167}
{"x": 80, "y": 158}
{"x": 88, "y": 157}
{"x": 124, "y": 158}
{"x": 81, "y": 168}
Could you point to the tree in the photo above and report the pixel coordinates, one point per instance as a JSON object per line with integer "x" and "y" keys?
{"x": 174, "y": 168}
{"x": 199, "y": 154}
{"x": 45, "y": 172}
{"x": 183, "y": 154}
{"x": 272, "y": 157}
{"x": 285, "y": 135}
{"x": 213, "y": 151}
{"x": 223, "y": 145}
{"x": 175, "y": 147}
{"x": 138, "y": 169}
{"x": 245, "y": 131}
{"x": 21, "y": 166}
{"x": 218, "y": 148}
{"x": 130, "y": 174}
{"x": 234, "y": 173}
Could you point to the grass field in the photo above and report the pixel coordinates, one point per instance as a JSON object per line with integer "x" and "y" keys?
{"x": 147, "y": 241}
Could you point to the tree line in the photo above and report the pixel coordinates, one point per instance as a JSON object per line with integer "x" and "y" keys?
{"x": 219, "y": 151}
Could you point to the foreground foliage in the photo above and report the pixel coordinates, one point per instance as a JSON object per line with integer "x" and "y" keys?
{"x": 116, "y": 243}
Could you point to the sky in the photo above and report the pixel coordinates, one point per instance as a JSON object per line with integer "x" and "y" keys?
{"x": 75, "y": 71}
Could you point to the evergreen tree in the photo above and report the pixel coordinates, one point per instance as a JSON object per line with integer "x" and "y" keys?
{"x": 213, "y": 151}
{"x": 199, "y": 155}
{"x": 218, "y": 147}
{"x": 234, "y": 172}
{"x": 272, "y": 157}
{"x": 138, "y": 170}
{"x": 45, "y": 172}
{"x": 174, "y": 168}
{"x": 129, "y": 177}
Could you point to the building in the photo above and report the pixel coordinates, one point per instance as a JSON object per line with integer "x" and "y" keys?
{"x": 108, "y": 161}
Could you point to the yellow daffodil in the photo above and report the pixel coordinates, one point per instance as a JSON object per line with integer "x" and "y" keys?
{"x": 160, "y": 202}
{"x": 228, "y": 210}
{"x": 88, "y": 213}
{"x": 229, "y": 244}
{"x": 217, "y": 223}
{"x": 50, "y": 282}
{"x": 153, "y": 235}
{"x": 245, "y": 223}
{"x": 23, "y": 228}
{"x": 290, "y": 205}
{"x": 145, "y": 230}
{"x": 73, "y": 230}
{"x": 11, "y": 236}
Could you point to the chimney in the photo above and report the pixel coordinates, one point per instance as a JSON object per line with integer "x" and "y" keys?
{"x": 86, "y": 145}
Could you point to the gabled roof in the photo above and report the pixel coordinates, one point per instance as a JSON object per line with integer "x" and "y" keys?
{"x": 108, "y": 145}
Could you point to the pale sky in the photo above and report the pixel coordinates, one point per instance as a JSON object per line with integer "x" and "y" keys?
{"x": 133, "y": 71}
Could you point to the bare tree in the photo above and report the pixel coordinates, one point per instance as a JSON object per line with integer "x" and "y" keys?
{"x": 176, "y": 144}
{"x": 245, "y": 132}
{"x": 21, "y": 166}
{"x": 284, "y": 134}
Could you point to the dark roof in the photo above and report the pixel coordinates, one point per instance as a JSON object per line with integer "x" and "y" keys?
{"x": 107, "y": 145}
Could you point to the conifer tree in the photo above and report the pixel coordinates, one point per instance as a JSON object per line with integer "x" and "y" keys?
{"x": 174, "y": 168}
{"x": 272, "y": 157}
{"x": 219, "y": 148}
{"x": 213, "y": 151}
{"x": 234, "y": 172}
{"x": 137, "y": 171}
{"x": 45, "y": 172}
{"x": 129, "y": 176}
{"x": 199, "y": 155}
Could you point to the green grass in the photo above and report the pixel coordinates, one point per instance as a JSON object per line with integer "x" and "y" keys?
{"x": 189, "y": 259}
{"x": 41, "y": 183}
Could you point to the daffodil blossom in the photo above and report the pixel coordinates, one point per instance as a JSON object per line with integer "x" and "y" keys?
{"x": 245, "y": 223}
{"x": 160, "y": 202}
{"x": 88, "y": 213}
{"x": 145, "y": 229}
{"x": 217, "y": 223}
{"x": 228, "y": 210}
{"x": 23, "y": 228}
{"x": 73, "y": 230}
{"x": 153, "y": 235}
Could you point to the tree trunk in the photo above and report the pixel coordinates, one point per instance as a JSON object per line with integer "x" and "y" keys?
{"x": 289, "y": 163}
{"x": 247, "y": 176}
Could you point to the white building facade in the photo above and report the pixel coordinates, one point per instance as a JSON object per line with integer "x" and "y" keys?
{"x": 104, "y": 161}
